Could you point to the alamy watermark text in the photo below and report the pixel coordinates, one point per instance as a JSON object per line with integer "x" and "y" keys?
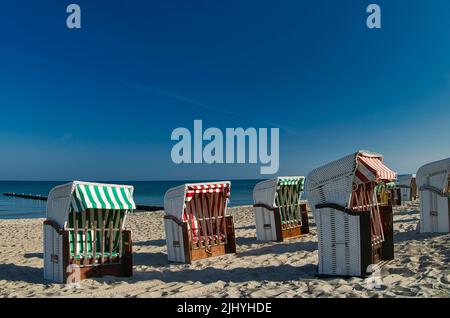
{"x": 236, "y": 145}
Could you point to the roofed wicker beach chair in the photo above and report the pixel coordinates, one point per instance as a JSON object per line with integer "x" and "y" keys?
{"x": 408, "y": 187}
{"x": 395, "y": 194}
{"x": 354, "y": 228}
{"x": 196, "y": 223}
{"x": 433, "y": 181}
{"x": 85, "y": 229}
{"x": 279, "y": 211}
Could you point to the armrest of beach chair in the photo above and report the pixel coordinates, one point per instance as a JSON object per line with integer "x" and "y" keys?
{"x": 175, "y": 242}
{"x": 174, "y": 218}
{"x": 265, "y": 206}
{"x": 230, "y": 247}
{"x": 54, "y": 225}
{"x": 177, "y": 239}
{"x": 56, "y": 233}
{"x": 127, "y": 242}
{"x": 56, "y": 251}
{"x": 337, "y": 207}
{"x": 434, "y": 190}
{"x": 127, "y": 256}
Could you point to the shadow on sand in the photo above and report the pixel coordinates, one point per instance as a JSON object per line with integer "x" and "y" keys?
{"x": 150, "y": 243}
{"x": 247, "y": 227}
{"x": 33, "y": 255}
{"x": 151, "y": 259}
{"x": 281, "y": 248}
{"x": 18, "y": 273}
{"x": 412, "y": 213}
{"x": 236, "y": 275}
{"x": 414, "y": 235}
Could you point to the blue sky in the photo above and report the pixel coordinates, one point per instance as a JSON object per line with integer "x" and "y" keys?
{"x": 101, "y": 102}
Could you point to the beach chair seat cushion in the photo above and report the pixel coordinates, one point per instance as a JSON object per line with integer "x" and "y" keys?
{"x": 202, "y": 239}
{"x": 97, "y": 255}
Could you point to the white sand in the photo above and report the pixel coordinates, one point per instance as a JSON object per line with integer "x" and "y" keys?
{"x": 421, "y": 267}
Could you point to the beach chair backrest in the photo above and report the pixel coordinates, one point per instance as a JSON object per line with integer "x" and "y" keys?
{"x": 205, "y": 211}
{"x": 288, "y": 198}
{"x": 98, "y": 232}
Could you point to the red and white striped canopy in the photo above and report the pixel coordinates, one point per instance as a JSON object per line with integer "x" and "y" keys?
{"x": 193, "y": 189}
{"x": 371, "y": 168}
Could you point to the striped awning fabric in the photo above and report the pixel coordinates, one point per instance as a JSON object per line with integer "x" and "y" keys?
{"x": 283, "y": 181}
{"x": 371, "y": 168}
{"x": 207, "y": 188}
{"x": 97, "y": 196}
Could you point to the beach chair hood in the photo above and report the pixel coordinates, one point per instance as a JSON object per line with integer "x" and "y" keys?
{"x": 80, "y": 196}
{"x": 433, "y": 182}
{"x": 176, "y": 198}
{"x": 338, "y": 178}
{"x": 405, "y": 179}
{"x": 265, "y": 191}
{"x": 434, "y": 174}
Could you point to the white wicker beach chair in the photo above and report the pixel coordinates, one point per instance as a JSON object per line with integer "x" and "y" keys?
{"x": 196, "y": 222}
{"x": 408, "y": 188}
{"x": 354, "y": 222}
{"x": 433, "y": 181}
{"x": 84, "y": 231}
{"x": 279, "y": 211}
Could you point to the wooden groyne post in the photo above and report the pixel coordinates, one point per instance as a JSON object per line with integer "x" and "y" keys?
{"x": 139, "y": 207}
{"x": 26, "y": 196}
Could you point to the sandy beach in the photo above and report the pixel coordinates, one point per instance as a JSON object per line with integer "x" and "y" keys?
{"x": 420, "y": 269}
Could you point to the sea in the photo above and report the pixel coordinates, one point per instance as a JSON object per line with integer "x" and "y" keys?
{"x": 145, "y": 193}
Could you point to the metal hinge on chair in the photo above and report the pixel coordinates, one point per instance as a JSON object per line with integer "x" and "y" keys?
{"x": 54, "y": 258}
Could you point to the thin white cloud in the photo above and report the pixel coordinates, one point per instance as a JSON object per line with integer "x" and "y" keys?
{"x": 172, "y": 95}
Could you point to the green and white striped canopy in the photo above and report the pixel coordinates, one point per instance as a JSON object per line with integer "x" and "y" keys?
{"x": 284, "y": 181}
{"x": 98, "y": 196}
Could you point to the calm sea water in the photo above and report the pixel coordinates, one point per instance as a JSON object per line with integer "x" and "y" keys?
{"x": 145, "y": 193}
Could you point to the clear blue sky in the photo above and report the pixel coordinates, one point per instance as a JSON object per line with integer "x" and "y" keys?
{"x": 101, "y": 102}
